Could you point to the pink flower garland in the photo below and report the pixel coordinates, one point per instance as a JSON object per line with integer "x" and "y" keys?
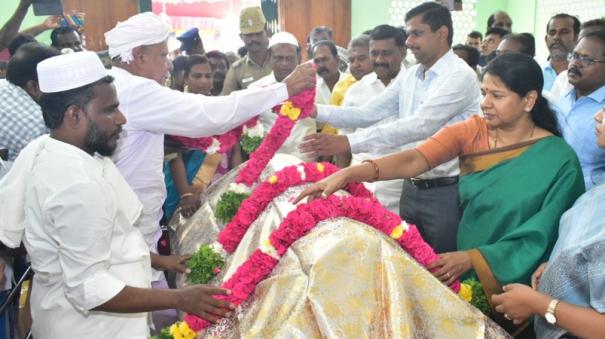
{"x": 226, "y": 141}
{"x": 253, "y": 206}
{"x": 298, "y": 223}
{"x": 276, "y": 137}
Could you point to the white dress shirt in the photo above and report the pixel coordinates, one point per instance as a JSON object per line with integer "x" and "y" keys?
{"x": 301, "y": 128}
{"x": 423, "y": 102}
{"x": 367, "y": 88}
{"x": 561, "y": 86}
{"x": 152, "y": 110}
{"x": 83, "y": 246}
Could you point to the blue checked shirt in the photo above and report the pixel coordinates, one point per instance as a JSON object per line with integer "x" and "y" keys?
{"x": 21, "y": 119}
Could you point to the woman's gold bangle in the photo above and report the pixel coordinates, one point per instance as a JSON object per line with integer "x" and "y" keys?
{"x": 376, "y": 169}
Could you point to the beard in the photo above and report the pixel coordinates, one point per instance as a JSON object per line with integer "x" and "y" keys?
{"x": 99, "y": 141}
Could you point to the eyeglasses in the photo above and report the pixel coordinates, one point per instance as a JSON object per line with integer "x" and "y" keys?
{"x": 584, "y": 60}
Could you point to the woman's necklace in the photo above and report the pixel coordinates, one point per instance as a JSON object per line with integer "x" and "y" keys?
{"x": 531, "y": 135}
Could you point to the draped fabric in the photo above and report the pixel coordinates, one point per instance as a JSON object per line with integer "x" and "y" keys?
{"x": 576, "y": 269}
{"x": 512, "y": 207}
{"x": 343, "y": 280}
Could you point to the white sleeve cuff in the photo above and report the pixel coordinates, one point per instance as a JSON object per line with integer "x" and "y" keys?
{"x": 356, "y": 141}
{"x": 95, "y": 291}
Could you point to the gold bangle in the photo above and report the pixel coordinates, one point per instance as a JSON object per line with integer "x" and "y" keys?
{"x": 185, "y": 195}
{"x": 376, "y": 169}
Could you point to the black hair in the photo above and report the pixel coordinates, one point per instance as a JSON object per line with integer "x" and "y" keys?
{"x": 242, "y": 51}
{"x": 22, "y": 65}
{"x": 54, "y": 105}
{"x": 598, "y": 35}
{"x": 475, "y": 35}
{"x": 18, "y": 41}
{"x": 329, "y": 44}
{"x": 522, "y": 74}
{"x": 434, "y": 15}
{"x": 526, "y": 41}
{"x": 490, "y": 21}
{"x": 218, "y": 55}
{"x": 61, "y": 31}
{"x": 192, "y": 60}
{"x": 319, "y": 30}
{"x": 472, "y": 52}
{"x": 383, "y": 32}
{"x": 179, "y": 63}
{"x": 576, "y": 22}
{"x": 597, "y": 24}
{"x": 497, "y": 30}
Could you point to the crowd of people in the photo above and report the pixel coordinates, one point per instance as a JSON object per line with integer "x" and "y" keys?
{"x": 497, "y": 157}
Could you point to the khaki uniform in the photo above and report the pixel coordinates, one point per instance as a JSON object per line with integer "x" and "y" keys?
{"x": 244, "y": 72}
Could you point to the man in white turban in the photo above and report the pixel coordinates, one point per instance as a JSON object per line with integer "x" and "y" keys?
{"x": 75, "y": 214}
{"x": 138, "y": 47}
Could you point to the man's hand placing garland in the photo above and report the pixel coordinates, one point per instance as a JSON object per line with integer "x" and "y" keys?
{"x": 322, "y": 144}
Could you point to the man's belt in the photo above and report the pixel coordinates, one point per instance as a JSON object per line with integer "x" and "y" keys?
{"x": 424, "y": 184}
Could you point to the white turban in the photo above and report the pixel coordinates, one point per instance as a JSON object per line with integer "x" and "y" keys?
{"x": 139, "y": 30}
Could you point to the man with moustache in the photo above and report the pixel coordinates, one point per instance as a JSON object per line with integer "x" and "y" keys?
{"x": 255, "y": 64}
{"x": 359, "y": 65}
{"x": 500, "y": 19}
{"x": 284, "y": 56}
{"x": 325, "y": 56}
{"x": 387, "y": 52}
{"x": 561, "y": 36}
{"x": 441, "y": 89}
{"x": 561, "y": 85}
{"x": 493, "y": 37}
{"x": 76, "y": 214}
{"x": 575, "y": 110}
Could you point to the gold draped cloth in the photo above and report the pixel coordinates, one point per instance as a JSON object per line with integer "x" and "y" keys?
{"x": 342, "y": 280}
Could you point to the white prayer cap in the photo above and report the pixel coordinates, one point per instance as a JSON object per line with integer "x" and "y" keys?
{"x": 69, "y": 71}
{"x": 283, "y": 38}
{"x": 139, "y": 30}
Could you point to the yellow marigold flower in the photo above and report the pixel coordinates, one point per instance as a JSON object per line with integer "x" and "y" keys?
{"x": 466, "y": 292}
{"x": 273, "y": 179}
{"x": 182, "y": 331}
{"x": 290, "y": 111}
{"x": 397, "y": 232}
{"x": 320, "y": 167}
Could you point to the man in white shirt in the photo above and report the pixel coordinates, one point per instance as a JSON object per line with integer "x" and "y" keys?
{"x": 284, "y": 56}
{"x": 75, "y": 213}
{"x": 138, "y": 48}
{"x": 325, "y": 56}
{"x": 387, "y": 51}
{"x": 441, "y": 89}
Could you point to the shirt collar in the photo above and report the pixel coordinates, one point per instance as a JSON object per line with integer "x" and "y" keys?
{"x": 92, "y": 162}
{"x": 597, "y": 95}
{"x": 440, "y": 67}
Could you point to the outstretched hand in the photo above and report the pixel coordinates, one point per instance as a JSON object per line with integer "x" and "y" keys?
{"x": 175, "y": 263}
{"x": 323, "y": 187}
{"x": 323, "y": 144}
{"x": 303, "y": 77}
{"x": 450, "y": 266}
{"x": 199, "y": 300}
{"x": 518, "y": 302}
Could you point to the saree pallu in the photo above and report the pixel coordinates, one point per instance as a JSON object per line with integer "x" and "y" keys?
{"x": 193, "y": 160}
{"x": 512, "y": 199}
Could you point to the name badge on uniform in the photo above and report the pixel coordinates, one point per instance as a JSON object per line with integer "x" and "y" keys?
{"x": 248, "y": 79}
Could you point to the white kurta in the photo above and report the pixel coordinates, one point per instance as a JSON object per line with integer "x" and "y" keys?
{"x": 301, "y": 129}
{"x": 83, "y": 246}
{"x": 152, "y": 111}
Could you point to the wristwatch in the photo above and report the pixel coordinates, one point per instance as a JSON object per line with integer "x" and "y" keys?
{"x": 550, "y": 312}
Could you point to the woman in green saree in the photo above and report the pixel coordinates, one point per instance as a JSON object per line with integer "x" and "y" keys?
{"x": 518, "y": 176}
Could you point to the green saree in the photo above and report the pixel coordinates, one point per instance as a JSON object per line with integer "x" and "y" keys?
{"x": 512, "y": 200}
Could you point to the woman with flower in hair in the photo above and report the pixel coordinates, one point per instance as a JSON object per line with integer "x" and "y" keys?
{"x": 517, "y": 177}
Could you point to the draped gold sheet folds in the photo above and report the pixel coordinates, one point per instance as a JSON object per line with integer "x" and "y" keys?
{"x": 343, "y": 280}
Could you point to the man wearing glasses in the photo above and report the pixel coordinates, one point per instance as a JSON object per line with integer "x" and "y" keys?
{"x": 576, "y": 109}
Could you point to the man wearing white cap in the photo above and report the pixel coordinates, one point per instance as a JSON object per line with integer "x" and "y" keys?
{"x": 284, "y": 56}
{"x": 75, "y": 214}
{"x": 138, "y": 47}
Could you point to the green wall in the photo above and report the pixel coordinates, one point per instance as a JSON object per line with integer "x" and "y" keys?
{"x": 367, "y": 14}
{"x": 7, "y": 8}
